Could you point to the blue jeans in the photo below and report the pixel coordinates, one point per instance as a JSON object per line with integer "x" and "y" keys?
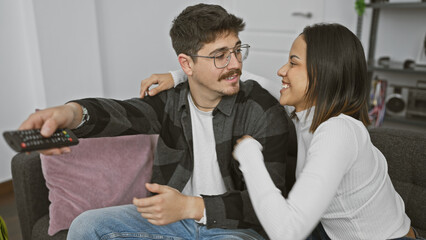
{"x": 407, "y": 238}
{"x": 125, "y": 222}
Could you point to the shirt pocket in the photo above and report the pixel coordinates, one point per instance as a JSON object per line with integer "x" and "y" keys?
{"x": 167, "y": 155}
{"x": 172, "y": 166}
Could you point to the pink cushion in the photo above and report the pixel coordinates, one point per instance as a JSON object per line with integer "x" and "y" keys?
{"x": 99, "y": 172}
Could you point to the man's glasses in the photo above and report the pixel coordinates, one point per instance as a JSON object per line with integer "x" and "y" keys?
{"x": 222, "y": 58}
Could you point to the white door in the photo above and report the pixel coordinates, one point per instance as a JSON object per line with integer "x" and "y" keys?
{"x": 271, "y": 27}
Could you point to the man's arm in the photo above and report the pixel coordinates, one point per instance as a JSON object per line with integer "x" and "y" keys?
{"x": 109, "y": 117}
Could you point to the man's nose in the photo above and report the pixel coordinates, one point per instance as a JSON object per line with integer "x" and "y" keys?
{"x": 233, "y": 61}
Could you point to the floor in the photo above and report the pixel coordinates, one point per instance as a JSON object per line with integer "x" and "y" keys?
{"x": 10, "y": 215}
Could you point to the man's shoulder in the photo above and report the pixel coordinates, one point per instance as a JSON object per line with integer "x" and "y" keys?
{"x": 173, "y": 94}
{"x": 257, "y": 106}
{"x": 252, "y": 92}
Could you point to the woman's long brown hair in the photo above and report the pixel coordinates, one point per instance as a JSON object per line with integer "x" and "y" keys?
{"x": 337, "y": 72}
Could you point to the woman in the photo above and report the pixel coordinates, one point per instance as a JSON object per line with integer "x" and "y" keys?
{"x": 341, "y": 178}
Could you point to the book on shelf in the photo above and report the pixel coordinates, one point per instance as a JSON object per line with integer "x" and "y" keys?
{"x": 377, "y": 101}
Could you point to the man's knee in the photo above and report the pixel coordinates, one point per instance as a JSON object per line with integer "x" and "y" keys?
{"x": 84, "y": 226}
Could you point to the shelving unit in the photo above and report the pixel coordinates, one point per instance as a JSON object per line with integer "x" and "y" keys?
{"x": 377, "y": 7}
{"x": 392, "y": 67}
{"x": 396, "y": 67}
{"x": 380, "y": 5}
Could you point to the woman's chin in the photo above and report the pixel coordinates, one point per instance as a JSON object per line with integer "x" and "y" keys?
{"x": 283, "y": 99}
{"x": 283, "y": 102}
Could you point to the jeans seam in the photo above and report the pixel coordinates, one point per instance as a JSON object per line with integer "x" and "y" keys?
{"x": 145, "y": 235}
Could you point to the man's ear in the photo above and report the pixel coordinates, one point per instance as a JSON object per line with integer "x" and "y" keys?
{"x": 186, "y": 63}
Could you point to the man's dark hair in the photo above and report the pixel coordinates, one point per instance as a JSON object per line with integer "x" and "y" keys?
{"x": 337, "y": 73}
{"x": 201, "y": 24}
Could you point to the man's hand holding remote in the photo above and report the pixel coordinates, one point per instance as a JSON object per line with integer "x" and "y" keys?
{"x": 50, "y": 119}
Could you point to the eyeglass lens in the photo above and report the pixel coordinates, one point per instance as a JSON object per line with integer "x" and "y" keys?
{"x": 222, "y": 59}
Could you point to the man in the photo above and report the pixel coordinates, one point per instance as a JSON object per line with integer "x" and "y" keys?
{"x": 198, "y": 190}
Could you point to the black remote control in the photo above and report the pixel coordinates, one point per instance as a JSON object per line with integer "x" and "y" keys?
{"x": 31, "y": 140}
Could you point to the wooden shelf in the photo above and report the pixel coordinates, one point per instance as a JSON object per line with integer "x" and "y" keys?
{"x": 397, "y": 67}
{"x": 397, "y": 5}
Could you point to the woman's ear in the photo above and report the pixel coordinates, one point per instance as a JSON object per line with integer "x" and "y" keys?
{"x": 186, "y": 63}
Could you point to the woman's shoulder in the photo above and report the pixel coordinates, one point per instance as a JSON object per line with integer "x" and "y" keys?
{"x": 343, "y": 126}
{"x": 339, "y": 136}
{"x": 343, "y": 120}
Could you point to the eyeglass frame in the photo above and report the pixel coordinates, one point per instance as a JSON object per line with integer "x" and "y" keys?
{"x": 246, "y": 46}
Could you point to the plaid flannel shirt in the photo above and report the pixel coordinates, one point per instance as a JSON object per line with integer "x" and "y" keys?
{"x": 253, "y": 111}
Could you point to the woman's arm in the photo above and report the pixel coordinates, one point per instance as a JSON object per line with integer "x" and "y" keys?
{"x": 331, "y": 151}
{"x": 157, "y": 83}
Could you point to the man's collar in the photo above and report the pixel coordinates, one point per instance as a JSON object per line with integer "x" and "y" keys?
{"x": 225, "y": 105}
{"x": 183, "y": 94}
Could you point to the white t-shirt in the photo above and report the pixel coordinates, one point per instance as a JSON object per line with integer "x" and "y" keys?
{"x": 206, "y": 177}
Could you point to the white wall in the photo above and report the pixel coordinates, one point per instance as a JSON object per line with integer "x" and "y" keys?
{"x": 69, "y": 49}
{"x": 135, "y": 42}
{"x": 18, "y": 74}
{"x": 52, "y": 51}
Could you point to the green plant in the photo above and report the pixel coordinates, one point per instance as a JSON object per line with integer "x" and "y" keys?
{"x": 3, "y": 230}
{"x": 360, "y": 7}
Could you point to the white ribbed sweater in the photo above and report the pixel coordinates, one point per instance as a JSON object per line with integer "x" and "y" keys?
{"x": 341, "y": 180}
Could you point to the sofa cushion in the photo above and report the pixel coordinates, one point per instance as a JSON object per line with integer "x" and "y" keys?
{"x": 406, "y": 157}
{"x": 41, "y": 227}
{"x": 99, "y": 172}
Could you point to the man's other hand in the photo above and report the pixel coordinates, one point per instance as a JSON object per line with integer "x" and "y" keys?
{"x": 168, "y": 206}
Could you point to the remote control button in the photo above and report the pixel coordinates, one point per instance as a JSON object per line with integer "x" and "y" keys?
{"x": 23, "y": 145}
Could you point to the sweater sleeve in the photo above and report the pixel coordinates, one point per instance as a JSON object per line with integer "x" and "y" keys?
{"x": 178, "y": 76}
{"x": 331, "y": 152}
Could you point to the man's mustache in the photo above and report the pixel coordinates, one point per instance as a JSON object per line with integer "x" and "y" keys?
{"x": 230, "y": 74}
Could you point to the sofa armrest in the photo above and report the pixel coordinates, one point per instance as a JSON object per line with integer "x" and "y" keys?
{"x": 31, "y": 193}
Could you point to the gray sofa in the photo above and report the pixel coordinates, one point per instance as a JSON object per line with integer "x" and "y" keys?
{"x": 404, "y": 150}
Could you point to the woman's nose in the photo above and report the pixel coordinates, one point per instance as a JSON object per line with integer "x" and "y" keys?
{"x": 282, "y": 72}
